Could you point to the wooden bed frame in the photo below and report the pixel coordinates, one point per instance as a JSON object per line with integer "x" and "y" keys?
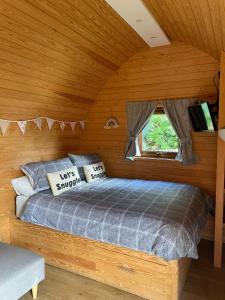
{"x": 139, "y": 273}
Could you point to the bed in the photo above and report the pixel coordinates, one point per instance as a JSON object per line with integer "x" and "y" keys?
{"x": 136, "y": 235}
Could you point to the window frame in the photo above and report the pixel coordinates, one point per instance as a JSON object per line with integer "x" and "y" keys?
{"x": 156, "y": 154}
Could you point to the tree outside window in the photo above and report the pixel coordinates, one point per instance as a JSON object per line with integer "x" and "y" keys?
{"x": 158, "y": 138}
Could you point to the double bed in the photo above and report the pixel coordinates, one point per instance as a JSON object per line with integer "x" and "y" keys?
{"x": 137, "y": 235}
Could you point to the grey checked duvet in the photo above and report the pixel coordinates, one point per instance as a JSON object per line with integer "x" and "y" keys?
{"x": 160, "y": 218}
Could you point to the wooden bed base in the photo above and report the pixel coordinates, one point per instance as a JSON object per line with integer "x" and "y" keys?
{"x": 141, "y": 274}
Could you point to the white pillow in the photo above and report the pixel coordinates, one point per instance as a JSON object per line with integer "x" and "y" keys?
{"x": 21, "y": 202}
{"x": 64, "y": 180}
{"x": 95, "y": 171}
{"x": 22, "y": 186}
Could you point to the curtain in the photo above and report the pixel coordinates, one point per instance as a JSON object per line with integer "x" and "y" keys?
{"x": 177, "y": 112}
{"x": 138, "y": 113}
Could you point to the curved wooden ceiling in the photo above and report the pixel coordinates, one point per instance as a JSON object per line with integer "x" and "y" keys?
{"x": 200, "y": 23}
{"x": 56, "y": 50}
{"x": 62, "y": 49}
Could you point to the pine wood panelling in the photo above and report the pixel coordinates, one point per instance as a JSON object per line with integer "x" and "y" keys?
{"x": 16, "y": 149}
{"x": 4, "y": 230}
{"x": 204, "y": 282}
{"x": 199, "y": 23}
{"x": 175, "y": 71}
{"x": 220, "y": 172}
{"x": 54, "y": 58}
{"x": 139, "y": 273}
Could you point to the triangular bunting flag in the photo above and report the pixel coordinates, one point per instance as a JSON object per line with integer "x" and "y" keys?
{"x": 4, "y": 126}
{"x": 38, "y": 123}
{"x": 50, "y": 123}
{"x": 22, "y": 126}
{"x": 62, "y": 125}
{"x": 73, "y": 125}
{"x": 82, "y": 124}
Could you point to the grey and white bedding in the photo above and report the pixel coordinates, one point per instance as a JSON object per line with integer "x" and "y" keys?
{"x": 160, "y": 218}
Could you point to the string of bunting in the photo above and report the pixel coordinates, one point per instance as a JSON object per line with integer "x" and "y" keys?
{"x": 4, "y": 124}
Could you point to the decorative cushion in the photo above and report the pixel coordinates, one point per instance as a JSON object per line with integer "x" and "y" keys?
{"x": 22, "y": 186}
{"x": 37, "y": 171}
{"x": 64, "y": 180}
{"x": 95, "y": 171}
{"x": 81, "y": 160}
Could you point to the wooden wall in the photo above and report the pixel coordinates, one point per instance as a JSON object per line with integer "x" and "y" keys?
{"x": 176, "y": 71}
{"x": 16, "y": 149}
{"x": 53, "y": 60}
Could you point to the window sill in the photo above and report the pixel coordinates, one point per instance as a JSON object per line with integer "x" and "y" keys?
{"x": 155, "y": 158}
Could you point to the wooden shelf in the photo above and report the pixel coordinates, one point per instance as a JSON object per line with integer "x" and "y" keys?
{"x": 205, "y": 133}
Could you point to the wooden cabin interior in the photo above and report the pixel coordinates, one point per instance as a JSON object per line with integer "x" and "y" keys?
{"x": 72, "y": 73}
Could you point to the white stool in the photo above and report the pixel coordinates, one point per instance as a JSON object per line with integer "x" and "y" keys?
{"x": 20, "y": 271}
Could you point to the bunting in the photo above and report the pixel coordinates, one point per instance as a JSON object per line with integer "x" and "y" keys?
{"x": 38, "y": 123}
{"x": 4, "y": 124}
{"x": 22, "y": 124}
{"x": 50, "y": 123}
{"x": 62, "y": 125}
{"x": 82, "y": 124}
{"x": 73, "y": 125}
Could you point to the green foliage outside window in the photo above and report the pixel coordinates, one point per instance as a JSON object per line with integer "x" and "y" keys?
{"x": 159, "y": 135}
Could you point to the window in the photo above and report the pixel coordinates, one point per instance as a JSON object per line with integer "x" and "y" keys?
{"x": 158, "y": 138}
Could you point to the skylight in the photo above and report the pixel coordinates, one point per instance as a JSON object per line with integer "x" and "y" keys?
{"x": 137, "y": 15}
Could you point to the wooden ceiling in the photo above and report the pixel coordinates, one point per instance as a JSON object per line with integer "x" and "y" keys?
{"x": 62, "y": 49}
{"x": 200, "y": 23}
{"x": 67, "y": 49}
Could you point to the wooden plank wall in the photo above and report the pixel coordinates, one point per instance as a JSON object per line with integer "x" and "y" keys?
{"x": 176, "y": 71}
{"x": 53, "y": 60}
{"x": 16, "y": 149}
{"x": 219, "y": 214}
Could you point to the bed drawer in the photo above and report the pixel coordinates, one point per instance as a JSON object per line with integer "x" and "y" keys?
{"x": 134, "y": 275}
{"x": 135, "y": 272}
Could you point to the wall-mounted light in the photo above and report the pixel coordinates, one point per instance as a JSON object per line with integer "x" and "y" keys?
{"x": 222, "y": 133}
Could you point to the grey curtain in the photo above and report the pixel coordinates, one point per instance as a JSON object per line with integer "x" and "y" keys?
{"x": 177, "y": 112}
{"x": 138, "y": 113}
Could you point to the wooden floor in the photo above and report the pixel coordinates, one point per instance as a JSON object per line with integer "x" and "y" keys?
{"x": 204, "y": 283}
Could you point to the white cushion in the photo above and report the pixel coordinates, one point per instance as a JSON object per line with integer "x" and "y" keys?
{"x": 22, "y": 186}
{"x": 95, "y": 171}
{"x": 64, "y": 180}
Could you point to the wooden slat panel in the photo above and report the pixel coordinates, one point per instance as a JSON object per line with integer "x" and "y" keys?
{"x": 159, "y": 83}
{"x": 139, "y": 273}
{"x": 220, "y": 171}
{"x": 4, "y": 230}
{"x": 54, "y": 58}
{"x": 198, "y": 23}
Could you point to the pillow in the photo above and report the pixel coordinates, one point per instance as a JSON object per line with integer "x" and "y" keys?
{"x": 22, "y": 186}
{"x": 95, "y": 171}
{"x": 21, "y": 202}
{"x": 81, "y": 160}
{"x": 64, "y": 180}
{"x": 37, "y": 171}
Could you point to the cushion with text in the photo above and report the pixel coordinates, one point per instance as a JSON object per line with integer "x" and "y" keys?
{"x": 95, "y": 171}
{"x": 82, "y": 160}
{"x": 64, "y": 180}
{"x": 37, "y": 171}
